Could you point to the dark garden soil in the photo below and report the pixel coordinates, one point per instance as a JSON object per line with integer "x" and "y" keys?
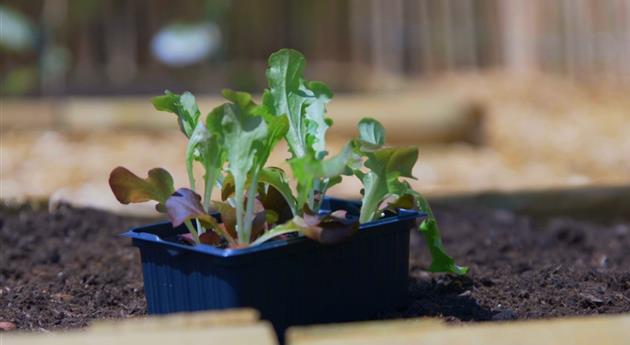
{"x": 64, "y": 269}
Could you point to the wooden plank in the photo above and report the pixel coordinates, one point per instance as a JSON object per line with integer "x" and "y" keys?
{"x": 89, "y": 113}
{"x": 359, "y": 332}
{"x": 27, "y": 114}
{"x": 611, "y": 330}
{"x": 592, "y": 202}
{"x": 238, "y": 326}
{"x": 255, "y": 334}
{"x": 601, "y": 330}
{"x": 180, "y": 321}
{"x": 414, "y": 117}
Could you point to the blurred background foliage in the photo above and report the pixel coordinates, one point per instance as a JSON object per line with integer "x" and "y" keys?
{"x": 115, "y": 47}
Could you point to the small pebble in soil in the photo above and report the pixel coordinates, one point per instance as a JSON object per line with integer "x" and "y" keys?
{"x": 601, "y": 261}
{"x": 466, "y": 293}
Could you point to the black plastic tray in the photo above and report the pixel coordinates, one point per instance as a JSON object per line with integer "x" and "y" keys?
{"x": 291, "y": 282}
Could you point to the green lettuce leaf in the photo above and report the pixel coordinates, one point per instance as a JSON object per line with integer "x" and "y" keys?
{"x": 382, "y": 180}
{"x": 314, "y": 176}
{"x": 211, "y": 153}
{"x": 248, "y": 136}
{"x": 385, "y": 167}
{"x": 204, "y": 139}
{"x": 276, "y": 178}
{"x": 199, "y": 136}
{"x": 303, "y": 102}
{"x": 184, "y": 106}
{"x": 371, "y": 134}
{"x": 440, "y": 260}
{"x": 243, "y": 133}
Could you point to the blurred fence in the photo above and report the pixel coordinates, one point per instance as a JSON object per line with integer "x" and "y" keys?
{"x": 107, "y": 47}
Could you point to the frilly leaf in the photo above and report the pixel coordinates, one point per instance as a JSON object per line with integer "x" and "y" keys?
{"x": 184, "y": 106}
{"x": 129, "y": 188}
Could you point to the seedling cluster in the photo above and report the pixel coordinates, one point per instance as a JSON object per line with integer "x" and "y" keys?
{"x": 258, "y": 203}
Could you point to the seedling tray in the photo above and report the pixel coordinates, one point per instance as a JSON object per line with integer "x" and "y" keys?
{"x": 291, "y": 282}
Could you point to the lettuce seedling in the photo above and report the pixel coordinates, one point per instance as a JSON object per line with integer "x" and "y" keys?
{"x": 249, "y": 135}
{"x": 381, "y": 178}
{"x": 204, "y": 138}
{"x": 258, "y": 203}
{"x": 304, "y": 103}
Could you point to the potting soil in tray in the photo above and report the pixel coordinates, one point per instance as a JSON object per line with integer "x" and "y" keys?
{"x": 63, "y": 269}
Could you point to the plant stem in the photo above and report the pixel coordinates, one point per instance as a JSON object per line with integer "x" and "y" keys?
{"x": 192, "y": 230}
{"x": 273, "y": 233}
{"x": 311, "y": 199}
{"x": 189, "y": 169}
{"x": 369, "y": 206}
{"x": 322, "y": 188}
{"x": 249, "y": 211}
{"x": 200, "y": 228}
{"x": 209, "y": 185}
{"x": 238, "y": 198}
